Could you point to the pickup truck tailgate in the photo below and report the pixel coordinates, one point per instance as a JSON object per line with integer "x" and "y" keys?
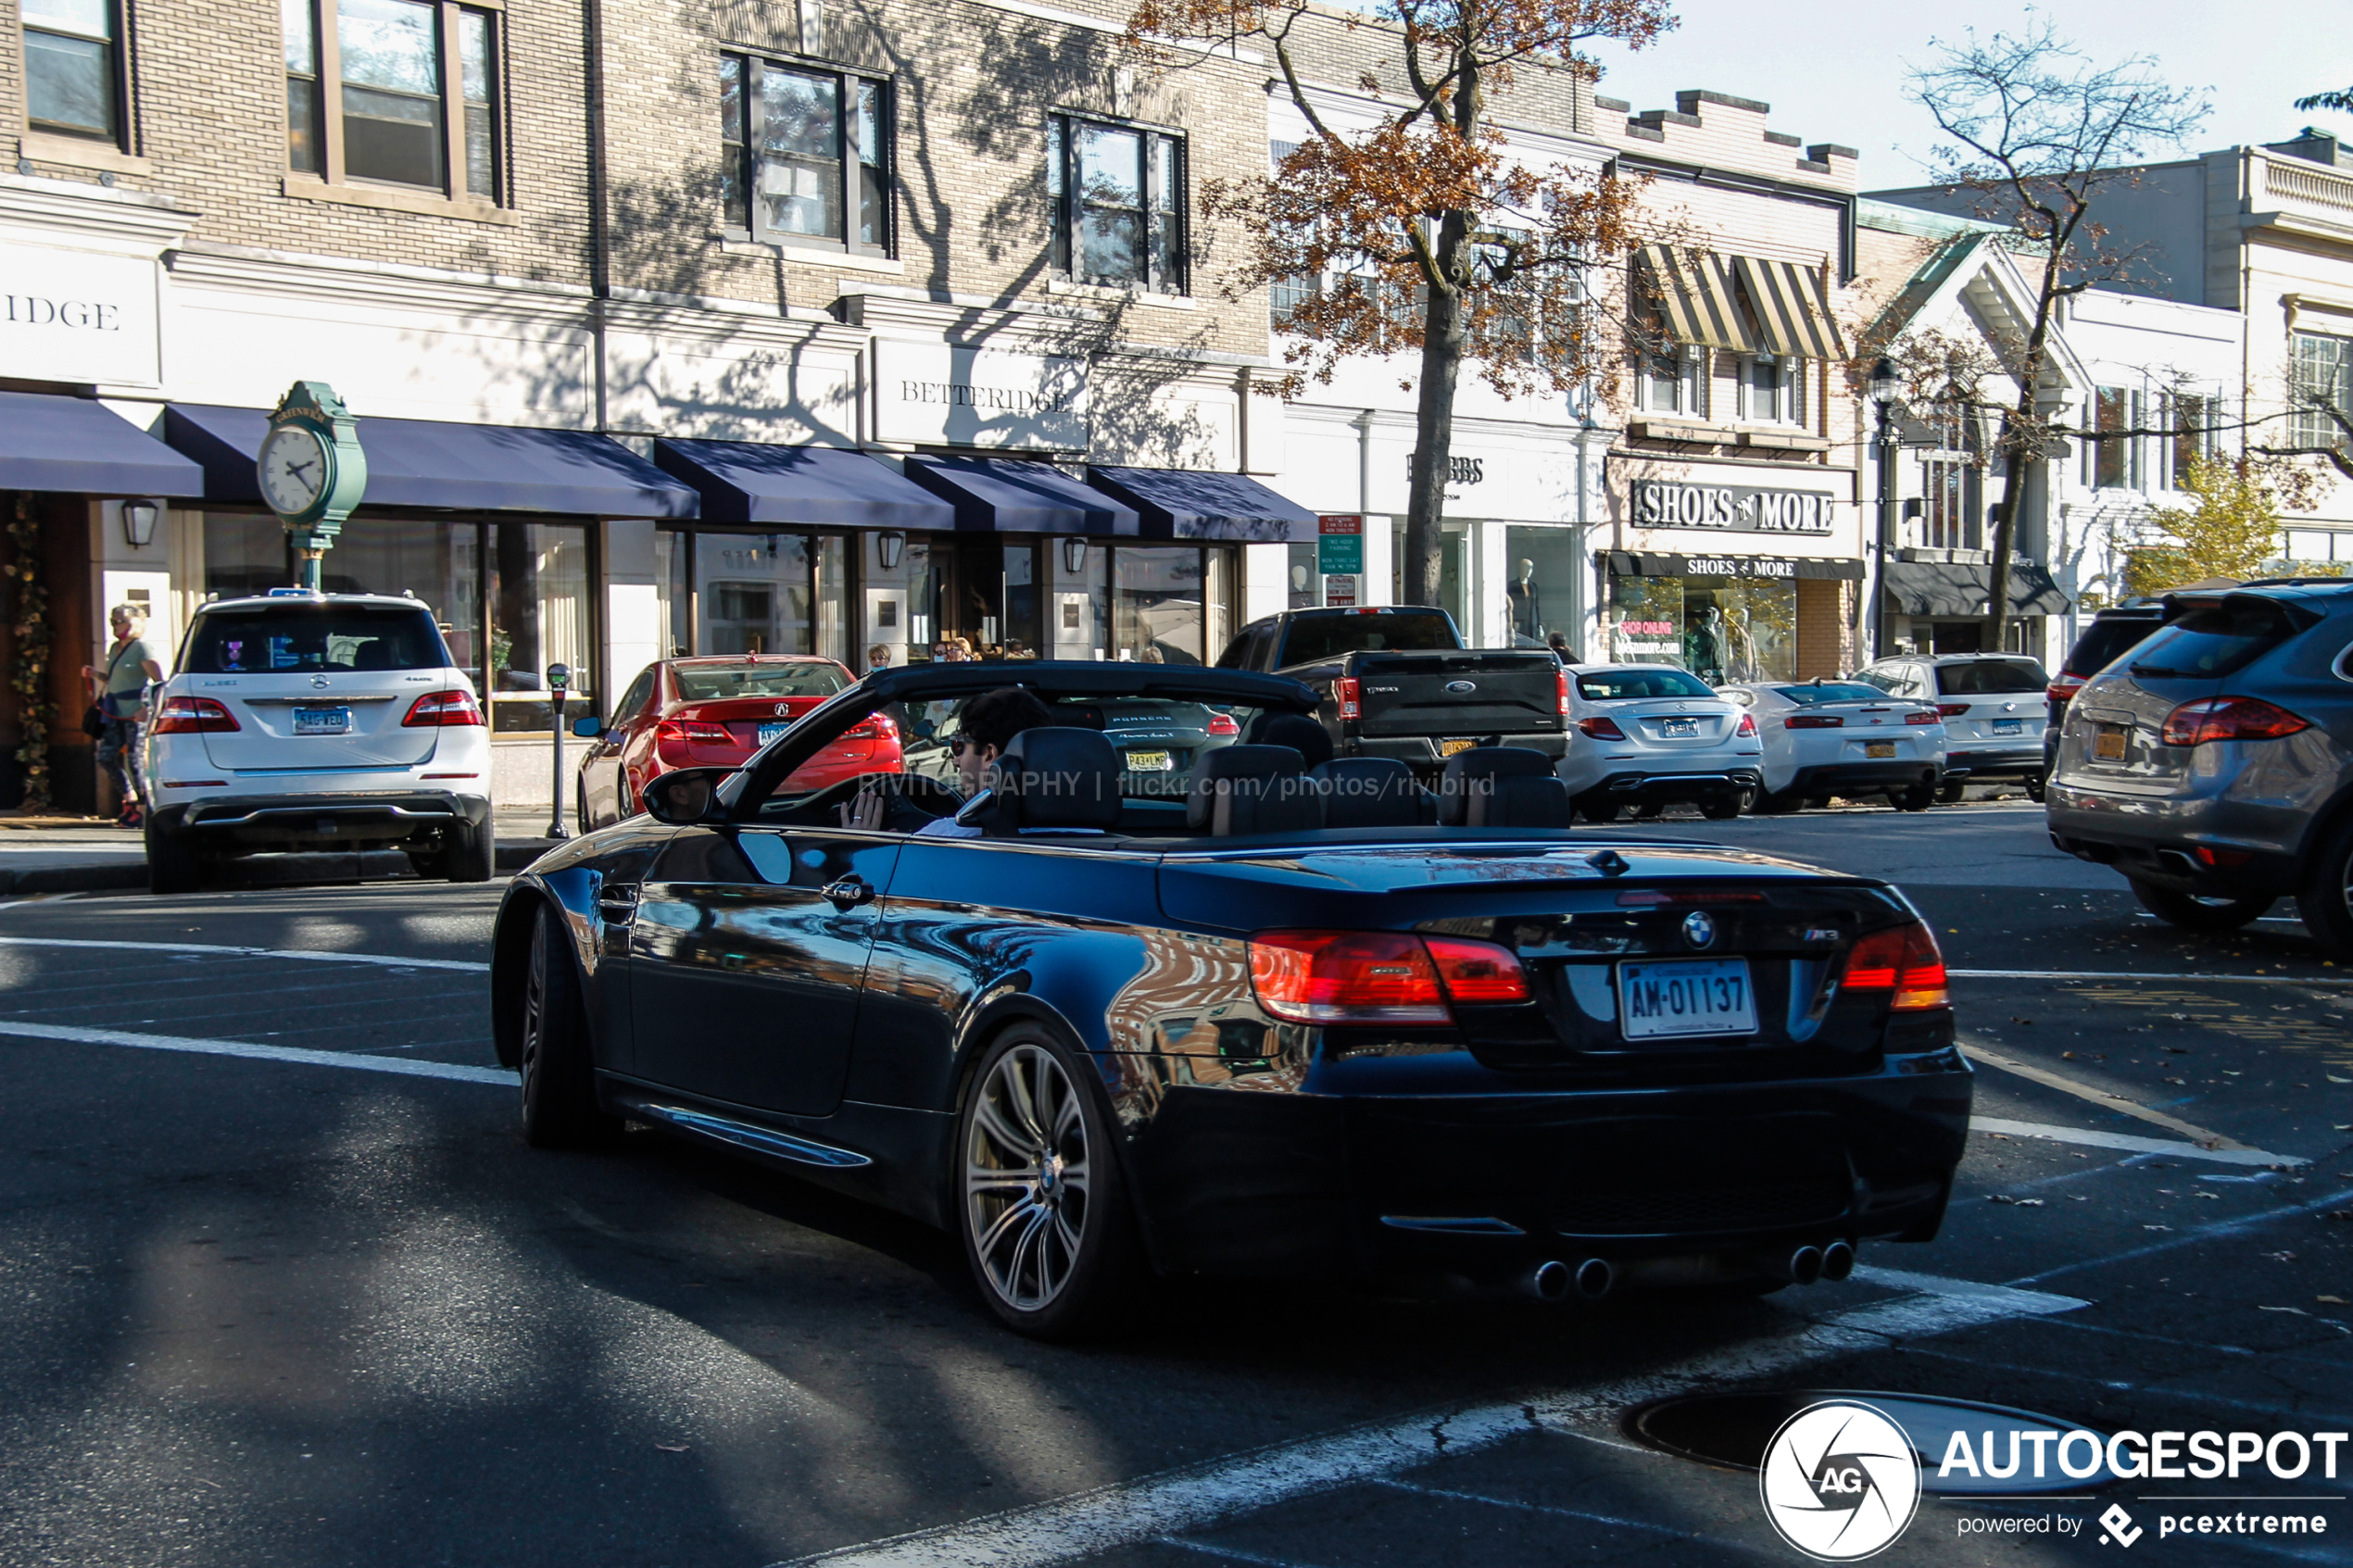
{"x": 1457, "y": 694}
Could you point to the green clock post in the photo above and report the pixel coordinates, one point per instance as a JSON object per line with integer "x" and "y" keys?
{"x": 311, "y": 471}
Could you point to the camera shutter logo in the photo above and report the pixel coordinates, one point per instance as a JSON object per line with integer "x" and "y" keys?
{"x": 1839, "y": 1481}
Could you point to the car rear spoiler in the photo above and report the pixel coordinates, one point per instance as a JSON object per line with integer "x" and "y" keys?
{"x": 2299, "y": 615}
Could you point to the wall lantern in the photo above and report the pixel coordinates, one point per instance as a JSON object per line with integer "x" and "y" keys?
{"x": 888, "y": 547}
{"x": 1074, "y": 555}
{"x": 139, "y": 523}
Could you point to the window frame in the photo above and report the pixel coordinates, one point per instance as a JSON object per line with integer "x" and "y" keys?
{"x": 119, "y": 77}
{"x": 2309, "y": 426}
{"x": 1067, "y": 205}
{"x": 743, "y": 148}
{"x": 1789, "y": 410}
{"x": 326, "y": 126}
{"x": 1691, "y": 382}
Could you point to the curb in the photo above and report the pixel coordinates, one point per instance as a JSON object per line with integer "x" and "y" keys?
{"x": 130, "y": 876}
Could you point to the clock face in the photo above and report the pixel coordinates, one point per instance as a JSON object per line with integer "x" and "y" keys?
{"x": 292, "y": 470}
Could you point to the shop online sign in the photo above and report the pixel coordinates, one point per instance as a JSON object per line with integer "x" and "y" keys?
{"x": 1665, "y": 502}
{"x": 78, "y": 315}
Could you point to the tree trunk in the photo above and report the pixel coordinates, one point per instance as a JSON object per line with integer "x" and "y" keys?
{"x": 1995, "y": 636}
{"x": 1433, "y": 442}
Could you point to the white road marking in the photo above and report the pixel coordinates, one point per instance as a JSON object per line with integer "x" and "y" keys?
{"x": 2137, "y": 974}
{"x": 1153, "y": 1506}
{"x": 2128, "y": 1141}
{"x": 2203, "y": 1136}
{"x": 2192, "y": 1237}
{"x": 247, "y": 1048}
{"x": 308, "y": 954}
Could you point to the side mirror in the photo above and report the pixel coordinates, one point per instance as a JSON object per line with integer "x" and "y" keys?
{"x": 685, "y": 797}
{"x": 590, "y": 728}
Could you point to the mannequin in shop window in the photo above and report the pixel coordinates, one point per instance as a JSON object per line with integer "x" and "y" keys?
{"x": 1704, "y": 646}
{"x": 1528, "y": 618}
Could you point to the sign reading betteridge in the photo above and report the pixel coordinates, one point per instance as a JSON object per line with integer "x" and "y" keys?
{"x": 1667, "y": 503}
{"x": 78, "y": 315}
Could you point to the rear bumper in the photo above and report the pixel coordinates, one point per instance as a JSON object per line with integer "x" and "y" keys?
{"x": 2022, "y": 761}
{"x": 1863, "y": 778}
{"x": 1421, "y": 751}
{"x": 2205, "y": 844}
{"x": 1647, "y": 787}
{"x": 375, "y": 819}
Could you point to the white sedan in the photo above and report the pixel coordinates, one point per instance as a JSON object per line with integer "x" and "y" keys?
{"x": 1647, "y": 735}
{"x": 1827, "y": 737}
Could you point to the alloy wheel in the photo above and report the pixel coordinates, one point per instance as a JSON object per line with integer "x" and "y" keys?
{"x": 1025, "y": 1177}
{"x": 535, "y": 1008}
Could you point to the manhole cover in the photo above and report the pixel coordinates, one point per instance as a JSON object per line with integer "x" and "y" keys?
{"x": 1732, "y": 1429}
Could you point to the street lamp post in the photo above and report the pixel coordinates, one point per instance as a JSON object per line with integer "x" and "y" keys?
{"x": 1886, "y": 389}
{"x": 559, "y": 677}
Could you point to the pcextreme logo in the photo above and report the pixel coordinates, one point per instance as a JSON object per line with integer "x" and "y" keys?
{"x": 1840, "y": 1480}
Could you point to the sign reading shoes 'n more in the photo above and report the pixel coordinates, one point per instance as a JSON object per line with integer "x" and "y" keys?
{"x": 1662, "y": 503}
{"x": 936, "y": 393}
{"x": 78, "y": 315}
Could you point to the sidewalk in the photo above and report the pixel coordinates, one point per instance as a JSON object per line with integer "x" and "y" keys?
{"x": 88, "y": 855}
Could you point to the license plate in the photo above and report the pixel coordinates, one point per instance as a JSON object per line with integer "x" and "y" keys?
{"x": 2108, "y": 747}
{"x": 770, "y": 731}
{"x": 1448, "y": 747}
{"x": 2009, "y": 726}
{"x": 1879, "y": 748}
{"x": 1678, "y": 728}
{"x": 323, "y": 721}
{"x": 1685, "y": 997}
{"x": 1151, "y": 763}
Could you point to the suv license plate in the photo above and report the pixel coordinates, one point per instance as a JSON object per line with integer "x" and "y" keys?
{"x": 2009, "y": 726}
{"x": 2108, "y": 745}
{"x": 323, "y": 721}
{"x": 1678, "y": 728}
{"x": 1685, "y": 997}
{"x": 1448, "y": 747}
{"x": 770, "y": 731}
{"x": 1149, "y": 762}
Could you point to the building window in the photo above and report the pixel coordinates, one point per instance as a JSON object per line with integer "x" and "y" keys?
{"x": 1773, "y": 390}
{"x": 804, "y": 154}
{"x": 1118, "y": 198}
{"x": 1668, "y": 382}
{"x": 2194, "y": 416}
{"x": 1949, "y": 521}
{"x": 2322, "y": 387}
{"x": 394, "y": 92}
{"x": 73, "y": 71}
{"x": 2113, "y": 462}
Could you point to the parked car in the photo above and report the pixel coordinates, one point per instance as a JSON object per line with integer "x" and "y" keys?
{"x": 1396, "y": 682}
{"x": 2212, "y": 766}
{"x": 1993, "y": 708}
{"x": 1829, "y": 737}
{"x": 714, "y": 712}
{"x": 2107, "y": 636}
{"x": 301, "y": 720}
{"x": 1116, "y": 1033}
{"x": 1651, "y": 734}
{"x": 1157, "y": 743}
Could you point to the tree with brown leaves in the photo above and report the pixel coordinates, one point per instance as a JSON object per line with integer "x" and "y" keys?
{"x": 1424, "y": 234}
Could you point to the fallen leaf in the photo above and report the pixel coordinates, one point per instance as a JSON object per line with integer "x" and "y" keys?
{"x": 2338, "y": 1214}
{"x": 2215, "y": 1196}
{"x": 2297, "y": 1311}
{"x": 2282, "y": 1255}
{"x": 2067, "y": 1056}
{"x": 2157, "y": 1227}
{"x": 2334, "y": 1079}
{"x": 2183, "y": 1082}
{"x": 2015, "y": 1018}
{"x": 2333, "y": 1300}
{"x": 672, "y": 1448}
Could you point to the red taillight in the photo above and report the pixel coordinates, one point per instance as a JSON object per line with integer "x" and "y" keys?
{"x": 1560, "y": 689}
{"x": 1223, "y": 724}
{"x": 1600, "y": 729}
{"x": 1344, "y": 693}
{"x": 693, "y": 731}
{"x": 1903, "y": 960}
{"x": 1346, "y": 977}
{"x": 1952, "y": 709}
{"x": 1922, "y": 715}
{"x": 2229, "y": 718}
{"x": 1478, "y": 972}
{"x": 436, "y": 709}
{"x": 1746, "y": 728}
{"x": 1813, "y": 722}
{"x": 192, "y": 716}
{"x": 2064, "y": 688}
{"x": 879, "y": 727}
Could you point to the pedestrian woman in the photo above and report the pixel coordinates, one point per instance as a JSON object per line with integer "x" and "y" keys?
{"x": 120, "y": 691}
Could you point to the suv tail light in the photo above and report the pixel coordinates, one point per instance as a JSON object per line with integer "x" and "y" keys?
{"x": 1344, "y": 692}
{"x": 1377, "y": 976}
{"x": 1746, "y": 728}
{"x": 1952, "y": 709}
{"x": 1813, "y": 722}
{"x": 1560, "y": 690}
{"x": 1224, "y": 725}
{"x": 2229, "y": 718}
{"x": 436, "y": 709}
{"x": 1903, "y": 960}
{"x": 1923, "y": 716}
{"x": 2064, "y": 686}
{"x": 193, "y": 716}
{"x": 1600, "y": 729}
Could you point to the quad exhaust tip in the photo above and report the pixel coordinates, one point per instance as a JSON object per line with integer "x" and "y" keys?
{"x": 1838, "y": 1261}
{"x": 1595, "y": 1278}
{"x": 1549, "y": 1281}
{"x": 1806, "y": 1265}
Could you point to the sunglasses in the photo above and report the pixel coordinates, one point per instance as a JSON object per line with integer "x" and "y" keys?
{"x": 959, "y": 744}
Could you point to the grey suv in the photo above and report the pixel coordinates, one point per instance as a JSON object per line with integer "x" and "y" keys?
{"x": 2213, "y": 764}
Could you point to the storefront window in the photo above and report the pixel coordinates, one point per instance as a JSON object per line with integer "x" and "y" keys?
{"x": 1453, "y": 558}
{"x": 244, "y": 555}
{"x": 1080, "y": 607}
{"x": 1157, "y": 609}
{"x": 1540, "y": 586}
{"x": 754, "y": 593}
{"x": 1721, "y": 629}
{"x": 901, "y": 609}
{"x": 538, "y": 617}
{"x": 675, "y": 591}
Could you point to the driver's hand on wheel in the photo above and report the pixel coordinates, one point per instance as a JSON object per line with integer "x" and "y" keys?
{"x": 864, "y": 810}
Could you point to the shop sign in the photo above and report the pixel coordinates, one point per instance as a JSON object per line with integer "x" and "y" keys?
{"x": 78, "y": 315}
{"x": 936, "y": 393}
{"x": 1665, "y": 503}
{"x": 1339, "y": 543}
{"x": 1459, "y": 469}
{"x": 1738, "y": 566}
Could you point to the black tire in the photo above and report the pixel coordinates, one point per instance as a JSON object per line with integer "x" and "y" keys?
{"x": 2036, "y": 786}
{"x": 560, "y": 1109}
{"x": 1053, "y": 1257}
{"x": 173, "y": 864}
{"x": 2192, "y": 912}
{"x": 1722, "y": 808}
{"x": 1949, "y": 792}
{"x": 471, "y": 854}
{"x": 2326, "y": 905}
{"x": 1920, "y": 798}
{"x": 1770, "y": 803}
{"x": 1596, "y": 811}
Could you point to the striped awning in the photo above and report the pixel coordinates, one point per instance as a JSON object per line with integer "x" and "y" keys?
{"x": 1792, "y": 314}
{"x": 1693, "y": 291}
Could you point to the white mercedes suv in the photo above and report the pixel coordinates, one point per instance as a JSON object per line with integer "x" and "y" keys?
{"x": 301, "y": 720}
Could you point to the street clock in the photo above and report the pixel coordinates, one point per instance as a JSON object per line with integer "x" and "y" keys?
{"x": 311, "y": 471}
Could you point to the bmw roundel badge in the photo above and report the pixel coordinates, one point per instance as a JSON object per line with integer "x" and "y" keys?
{"x": 1699, "y": 928}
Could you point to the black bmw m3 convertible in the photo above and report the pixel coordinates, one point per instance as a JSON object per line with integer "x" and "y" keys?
{"x": 1309, "y": 1018}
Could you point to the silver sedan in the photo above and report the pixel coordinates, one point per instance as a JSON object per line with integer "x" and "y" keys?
{"x": 1648, "y": 735}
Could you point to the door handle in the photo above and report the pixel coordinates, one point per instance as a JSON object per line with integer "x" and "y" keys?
{"x": 617, "y": 901}
{"x": 847, "y": 893}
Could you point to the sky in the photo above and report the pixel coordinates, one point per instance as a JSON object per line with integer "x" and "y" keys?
{"x": 1835, "y": 69}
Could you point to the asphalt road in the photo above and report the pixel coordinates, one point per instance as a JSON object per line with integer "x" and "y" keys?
{"x": 262, "y": 1311}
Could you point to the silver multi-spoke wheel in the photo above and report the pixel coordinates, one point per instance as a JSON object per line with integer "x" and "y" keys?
{"x": 1026, "y": 1179}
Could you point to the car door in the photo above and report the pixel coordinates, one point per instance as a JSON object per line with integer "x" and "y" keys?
{"x": 604, "y": 795}
{"x": 748, "y": 955}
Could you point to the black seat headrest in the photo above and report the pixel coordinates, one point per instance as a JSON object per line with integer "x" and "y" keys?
{"x": 1238, "y": 789}
{"x": 1371, "y": 792}
{"x": 1501, "y": 786}
{"x": 1054, "y": 777}
{"x": 1305, "y": 735}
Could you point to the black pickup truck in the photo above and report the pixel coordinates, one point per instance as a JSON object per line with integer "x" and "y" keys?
{"x": 1397, "y": 682}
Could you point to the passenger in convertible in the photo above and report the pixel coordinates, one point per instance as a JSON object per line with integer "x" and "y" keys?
{"x": 985, "y": 726}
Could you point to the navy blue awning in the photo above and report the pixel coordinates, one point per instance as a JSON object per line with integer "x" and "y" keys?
{"x": 459, "y": 468}
{"x": 1199, "y": 504}
{"x": 1008, "y": 496}
{"x": 812, "y": 487}
{"x": 75, "y": 445}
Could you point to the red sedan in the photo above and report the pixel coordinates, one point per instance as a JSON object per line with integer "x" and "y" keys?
{"x": 715, "y": 712}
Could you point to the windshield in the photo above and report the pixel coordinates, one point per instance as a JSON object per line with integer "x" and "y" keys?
{"x": 1807, "y": 697}
{"x": 2213, "y": 640}
{"x": 298, "y": 637}
{"x": 716, "y": 683}
{"x": 2106, "y": 641}
{"x": 1613, "y": 686}
{"x": 1328, "y": 636}
{"x": 1984, "y": 677}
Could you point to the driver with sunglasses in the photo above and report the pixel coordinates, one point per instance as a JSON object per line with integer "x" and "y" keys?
{"x": 985, "y": 726}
